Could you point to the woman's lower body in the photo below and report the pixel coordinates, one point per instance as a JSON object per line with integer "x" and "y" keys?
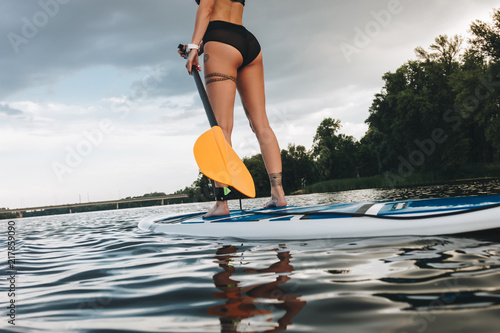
{"x": 233, "y": 62}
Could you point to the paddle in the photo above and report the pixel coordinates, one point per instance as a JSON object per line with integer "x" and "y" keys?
{"x": 214, "y": 155}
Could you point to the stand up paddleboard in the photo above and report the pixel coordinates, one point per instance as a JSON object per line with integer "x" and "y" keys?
{"x": 422, "y": 217}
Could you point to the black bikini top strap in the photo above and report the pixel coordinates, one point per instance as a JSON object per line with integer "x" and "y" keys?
{"x": 240, "y": 1}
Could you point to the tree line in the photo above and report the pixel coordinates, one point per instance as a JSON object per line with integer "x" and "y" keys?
{"x": 439, "y": 112}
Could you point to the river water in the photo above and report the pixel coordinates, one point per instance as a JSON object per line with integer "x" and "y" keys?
{"x": 97, "y": 272}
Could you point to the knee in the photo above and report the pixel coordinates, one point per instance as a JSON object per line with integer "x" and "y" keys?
{"x": 263, "y": 132}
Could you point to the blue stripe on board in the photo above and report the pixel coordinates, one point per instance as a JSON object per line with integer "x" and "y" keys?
{"x": 418, "y": 206}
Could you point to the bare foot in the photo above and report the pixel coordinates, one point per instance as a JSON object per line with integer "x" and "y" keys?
{"x": 220, "y": 209}
{"x": 276, "y": 202}
{"x": 277, "y": 198}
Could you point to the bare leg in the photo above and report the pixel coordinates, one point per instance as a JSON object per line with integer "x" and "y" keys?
{"x": 221, "y": 62}
{"x": 252, "y": 93}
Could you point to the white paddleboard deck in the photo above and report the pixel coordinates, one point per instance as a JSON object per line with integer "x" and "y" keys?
{"x": 422, "y": 217}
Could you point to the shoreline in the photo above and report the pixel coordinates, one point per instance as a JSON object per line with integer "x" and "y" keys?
{"x": 337, "y": 185}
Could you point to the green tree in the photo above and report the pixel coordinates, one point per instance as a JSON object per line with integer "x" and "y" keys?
{"x": 486, "y": 42}
{"x": 334, "y": 154}
{"x": 257, "y": 168}
{"x": 444, "y": 51}
{"x": 411, "y": 107}
{"x": 487, "y": 37}
{"x": 368, "y": 153}
{"x": 298, "y": 168}
{"x": 200, "y": 190}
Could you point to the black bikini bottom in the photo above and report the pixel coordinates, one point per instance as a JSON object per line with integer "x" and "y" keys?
{"x": 236, "y": 36}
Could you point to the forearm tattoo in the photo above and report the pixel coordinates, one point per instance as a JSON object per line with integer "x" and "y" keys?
{"x": 275, "y": 179}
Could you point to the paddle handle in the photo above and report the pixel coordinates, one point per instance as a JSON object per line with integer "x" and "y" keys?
{"x": 202, "y": 92}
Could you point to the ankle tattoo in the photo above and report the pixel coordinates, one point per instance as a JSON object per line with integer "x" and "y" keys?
{"x": 275, "y": 179}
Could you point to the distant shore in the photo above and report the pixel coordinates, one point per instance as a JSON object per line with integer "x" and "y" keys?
{"x": 150, "y": 199}
{"x": 474, "y": 174}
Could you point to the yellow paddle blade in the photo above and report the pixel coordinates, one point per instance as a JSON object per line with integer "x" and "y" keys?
{"x": 218, "y": 161}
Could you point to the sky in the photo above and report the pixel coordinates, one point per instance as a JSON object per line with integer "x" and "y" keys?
{"x": 96, "y": 104}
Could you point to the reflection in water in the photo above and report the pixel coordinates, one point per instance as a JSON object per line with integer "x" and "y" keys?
{"x": 448, "y": 268}
{"x": 428, "y": 280}
{"x": 244, "y": 303}
{"x": 95, "y": 272}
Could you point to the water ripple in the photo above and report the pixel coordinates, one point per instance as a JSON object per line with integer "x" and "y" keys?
{"x": 98, "y": 273}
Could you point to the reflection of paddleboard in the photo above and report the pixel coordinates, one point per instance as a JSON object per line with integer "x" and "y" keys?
{"x": 423, "y": 217}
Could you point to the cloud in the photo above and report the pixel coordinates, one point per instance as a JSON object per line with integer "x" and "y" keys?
{"x": 6, "y": 109}
{"x": 66, "y": 65}
{"x": 83, "y": 34}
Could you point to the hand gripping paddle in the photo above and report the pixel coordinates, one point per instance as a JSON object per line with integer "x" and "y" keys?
{"x": 214, "y": 155}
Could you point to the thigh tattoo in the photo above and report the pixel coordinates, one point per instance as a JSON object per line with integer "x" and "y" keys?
{"x": 215, "y": 77}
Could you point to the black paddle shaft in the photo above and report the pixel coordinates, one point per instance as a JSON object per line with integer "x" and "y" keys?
{"x": 202, "y": 92}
